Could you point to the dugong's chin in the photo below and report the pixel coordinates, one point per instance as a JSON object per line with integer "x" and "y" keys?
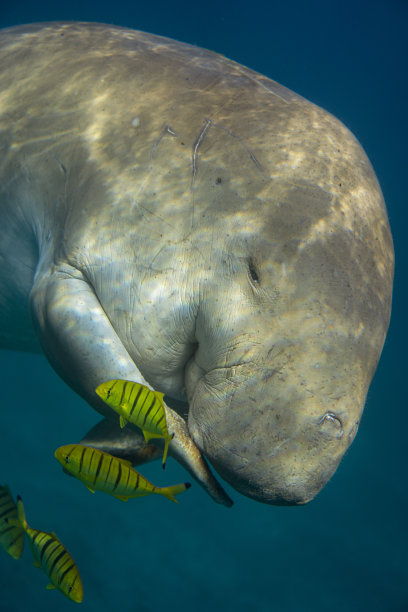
{"x": 288, "y": 489}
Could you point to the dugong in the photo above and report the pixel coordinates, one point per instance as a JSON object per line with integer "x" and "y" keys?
{"x": 171, "y": 217}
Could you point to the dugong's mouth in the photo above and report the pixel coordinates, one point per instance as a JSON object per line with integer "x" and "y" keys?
{"x": 278, "y": 451}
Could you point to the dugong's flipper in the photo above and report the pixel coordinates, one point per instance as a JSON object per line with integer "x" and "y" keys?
{"x": 85, "y": 350}
{"x": 128, "y": 444}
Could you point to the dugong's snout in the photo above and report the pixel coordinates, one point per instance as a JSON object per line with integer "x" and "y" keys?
{"x": 287, "y": 476}
{"x": 281, "y": 452}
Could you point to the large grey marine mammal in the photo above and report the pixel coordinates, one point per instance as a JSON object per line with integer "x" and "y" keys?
{"x": 174, "y": 218}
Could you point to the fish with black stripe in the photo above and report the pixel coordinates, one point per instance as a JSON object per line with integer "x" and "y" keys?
{"x": 11, "y": 534}
{"x": 137, "y": 404}
{"x": 52, "y": 556}
{"x": 101, "y": 471}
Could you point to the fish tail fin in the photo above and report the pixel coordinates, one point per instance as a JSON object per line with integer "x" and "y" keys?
{"x": 170, "y": 492}
{"x": 20, "y": 512}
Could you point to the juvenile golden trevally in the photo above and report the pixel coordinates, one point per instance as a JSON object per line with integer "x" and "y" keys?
{"x": 103, "y": 472}
{"x": 11, "y": 534}
{"x": 52, "y": 556}
{"x": 139, "y": 405}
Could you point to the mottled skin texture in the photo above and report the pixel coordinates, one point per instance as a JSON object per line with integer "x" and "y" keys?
{"x": 175, "y": 218}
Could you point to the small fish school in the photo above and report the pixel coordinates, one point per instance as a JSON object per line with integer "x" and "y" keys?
{"x": 98, "y": 471}
{"x": 11, "y": 535}
{"x": 48, "y": 552}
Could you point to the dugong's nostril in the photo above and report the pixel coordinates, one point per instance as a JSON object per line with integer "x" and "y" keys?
{"x": 331, "y": 425}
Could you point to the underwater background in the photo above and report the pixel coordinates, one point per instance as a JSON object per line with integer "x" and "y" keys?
{"x": 347, "y": 549}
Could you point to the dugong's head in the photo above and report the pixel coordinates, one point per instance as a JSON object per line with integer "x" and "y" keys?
{"x": 295, "y": 308}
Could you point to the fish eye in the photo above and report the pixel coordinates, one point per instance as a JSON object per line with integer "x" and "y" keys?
{"x": 67, "y": 459}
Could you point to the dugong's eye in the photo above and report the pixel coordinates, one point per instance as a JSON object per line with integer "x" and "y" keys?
{"x": 331, "y": 425}
{"x": 253, "y": 273}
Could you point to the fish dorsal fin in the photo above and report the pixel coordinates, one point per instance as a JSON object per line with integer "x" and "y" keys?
{"x": 122, "y": 421}
{"x": 89, "y": 489}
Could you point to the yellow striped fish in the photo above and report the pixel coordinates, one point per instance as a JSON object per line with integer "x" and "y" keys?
{"x": 103, "y": 472}
{"x": 139, "y": 405}
{"x": 53, "y": 558}
{"x": 11, "y": 535}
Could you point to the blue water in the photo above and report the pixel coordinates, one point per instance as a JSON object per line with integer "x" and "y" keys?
{"x": 347, "y": 550}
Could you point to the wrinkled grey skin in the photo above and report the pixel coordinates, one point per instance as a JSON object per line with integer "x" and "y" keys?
{"x": 174, "y": 218}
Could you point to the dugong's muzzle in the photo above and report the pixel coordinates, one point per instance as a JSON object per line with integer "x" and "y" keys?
{"x": 270, "y": 441}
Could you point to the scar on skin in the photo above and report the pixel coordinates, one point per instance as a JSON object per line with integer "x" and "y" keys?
{"x": 60, "y": 164}
{"x": 243, "y": 145}
{"x": 197, "y": 144}
{"x": 200, "y": 139}
{"x": 258, "y": 82}
{"x": 167, "y": 130}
